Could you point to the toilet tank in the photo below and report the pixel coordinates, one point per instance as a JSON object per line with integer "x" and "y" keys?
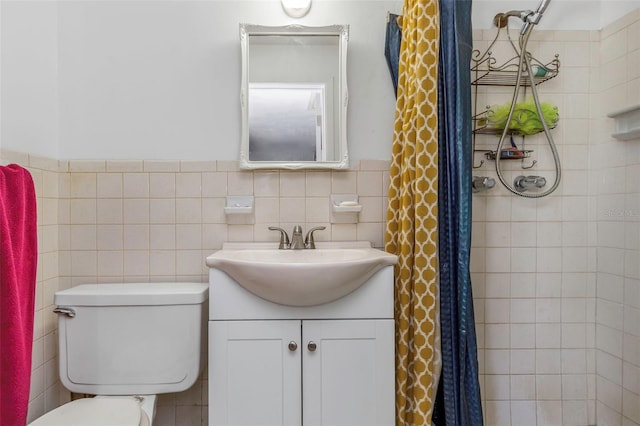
{"x": 125, "y": 339}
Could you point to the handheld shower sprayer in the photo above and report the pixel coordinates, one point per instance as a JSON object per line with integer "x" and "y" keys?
{"x": 523, "y": 77}
{"x": 535, "y": 18}
{"x": 529, "y": 17}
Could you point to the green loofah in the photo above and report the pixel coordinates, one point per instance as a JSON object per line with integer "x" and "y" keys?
{"x": 525, "y": 118}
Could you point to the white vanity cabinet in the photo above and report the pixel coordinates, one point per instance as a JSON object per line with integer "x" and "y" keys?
{"x": 254, "y": 379}
{"x": 292, "y": 372}
{"x": 330, "y": 364}
{"x": 349, "y": 378}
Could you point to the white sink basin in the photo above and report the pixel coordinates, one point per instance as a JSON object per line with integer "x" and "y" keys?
{"x": 300, "y": 277}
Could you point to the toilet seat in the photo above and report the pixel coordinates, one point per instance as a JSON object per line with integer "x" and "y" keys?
{"x": 95, "y": 412}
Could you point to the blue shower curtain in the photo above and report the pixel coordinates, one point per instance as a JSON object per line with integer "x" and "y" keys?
{"x": 458, "y": 398}
{"x": 393, "y": 39}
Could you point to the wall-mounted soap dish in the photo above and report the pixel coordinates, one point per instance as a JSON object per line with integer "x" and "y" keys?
{"x": 241, "y": 205}
{"x": 627, "y": 123}
{"x": 345, "y": 203}
{"x": 345, "y": 208}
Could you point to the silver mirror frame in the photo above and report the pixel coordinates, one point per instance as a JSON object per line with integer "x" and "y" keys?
{"x": 341, "y": 31}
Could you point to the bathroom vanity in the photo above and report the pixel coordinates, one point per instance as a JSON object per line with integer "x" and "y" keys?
{"x": 320, "y": 364}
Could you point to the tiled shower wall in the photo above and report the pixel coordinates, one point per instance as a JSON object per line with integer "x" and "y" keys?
{"x": 533, "y": 260}
{"x": 556, "y": 279}
{"x": 616, "y": 177}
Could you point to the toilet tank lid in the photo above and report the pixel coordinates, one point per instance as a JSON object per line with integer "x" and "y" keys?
{"x": 133, "y": 294}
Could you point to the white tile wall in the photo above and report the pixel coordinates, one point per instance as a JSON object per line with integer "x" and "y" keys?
{"x": 567, "y": 264}
{"x": 123, "y": 221}
{"x": 618, "y": 253}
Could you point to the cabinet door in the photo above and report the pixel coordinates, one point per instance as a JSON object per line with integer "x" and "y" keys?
{"x": 348, "y": 379}
{"x": 254, "y": 375}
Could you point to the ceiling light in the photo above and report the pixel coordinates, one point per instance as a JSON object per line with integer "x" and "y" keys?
{"x": 296, "y": 8}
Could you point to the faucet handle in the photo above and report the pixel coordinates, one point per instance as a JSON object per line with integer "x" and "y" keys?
{"x": 308, "y": 240}
{"x": 284, "y": 238}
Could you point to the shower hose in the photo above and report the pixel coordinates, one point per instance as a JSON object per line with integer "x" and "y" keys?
{"x": 525, "y": 64}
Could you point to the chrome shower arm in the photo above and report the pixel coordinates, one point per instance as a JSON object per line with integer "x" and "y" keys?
{"x": 522, "y": 14}
{"x": 502, "y": 19}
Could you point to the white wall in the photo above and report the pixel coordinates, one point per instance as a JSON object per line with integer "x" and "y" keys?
{"x": 28, "y": 83}
{"x": 160, "y": 80}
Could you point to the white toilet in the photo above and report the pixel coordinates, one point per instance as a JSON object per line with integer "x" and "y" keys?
{"x": 127, "y": 343}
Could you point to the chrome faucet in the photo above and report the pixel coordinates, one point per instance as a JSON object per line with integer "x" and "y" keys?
{"x": 296, "y": 238}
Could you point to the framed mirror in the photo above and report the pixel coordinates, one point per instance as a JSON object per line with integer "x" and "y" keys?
{"x": 294, "y": 97}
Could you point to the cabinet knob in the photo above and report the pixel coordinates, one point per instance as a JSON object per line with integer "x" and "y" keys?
{"x": 312, "y": 346}
{"x": 293, "y": 346}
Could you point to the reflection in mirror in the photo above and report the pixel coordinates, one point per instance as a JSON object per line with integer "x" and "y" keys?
{"x": 294, "y": 97}
{"x": 286, "y": 122}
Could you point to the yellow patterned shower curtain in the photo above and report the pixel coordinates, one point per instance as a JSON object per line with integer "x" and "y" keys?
{"x": 412, "y": 216}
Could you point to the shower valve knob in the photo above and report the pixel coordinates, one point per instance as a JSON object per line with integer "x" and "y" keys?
{"x": 525, "y": 183}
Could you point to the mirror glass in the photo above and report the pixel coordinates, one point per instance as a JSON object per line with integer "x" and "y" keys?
{"x": 293, "y": 97}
